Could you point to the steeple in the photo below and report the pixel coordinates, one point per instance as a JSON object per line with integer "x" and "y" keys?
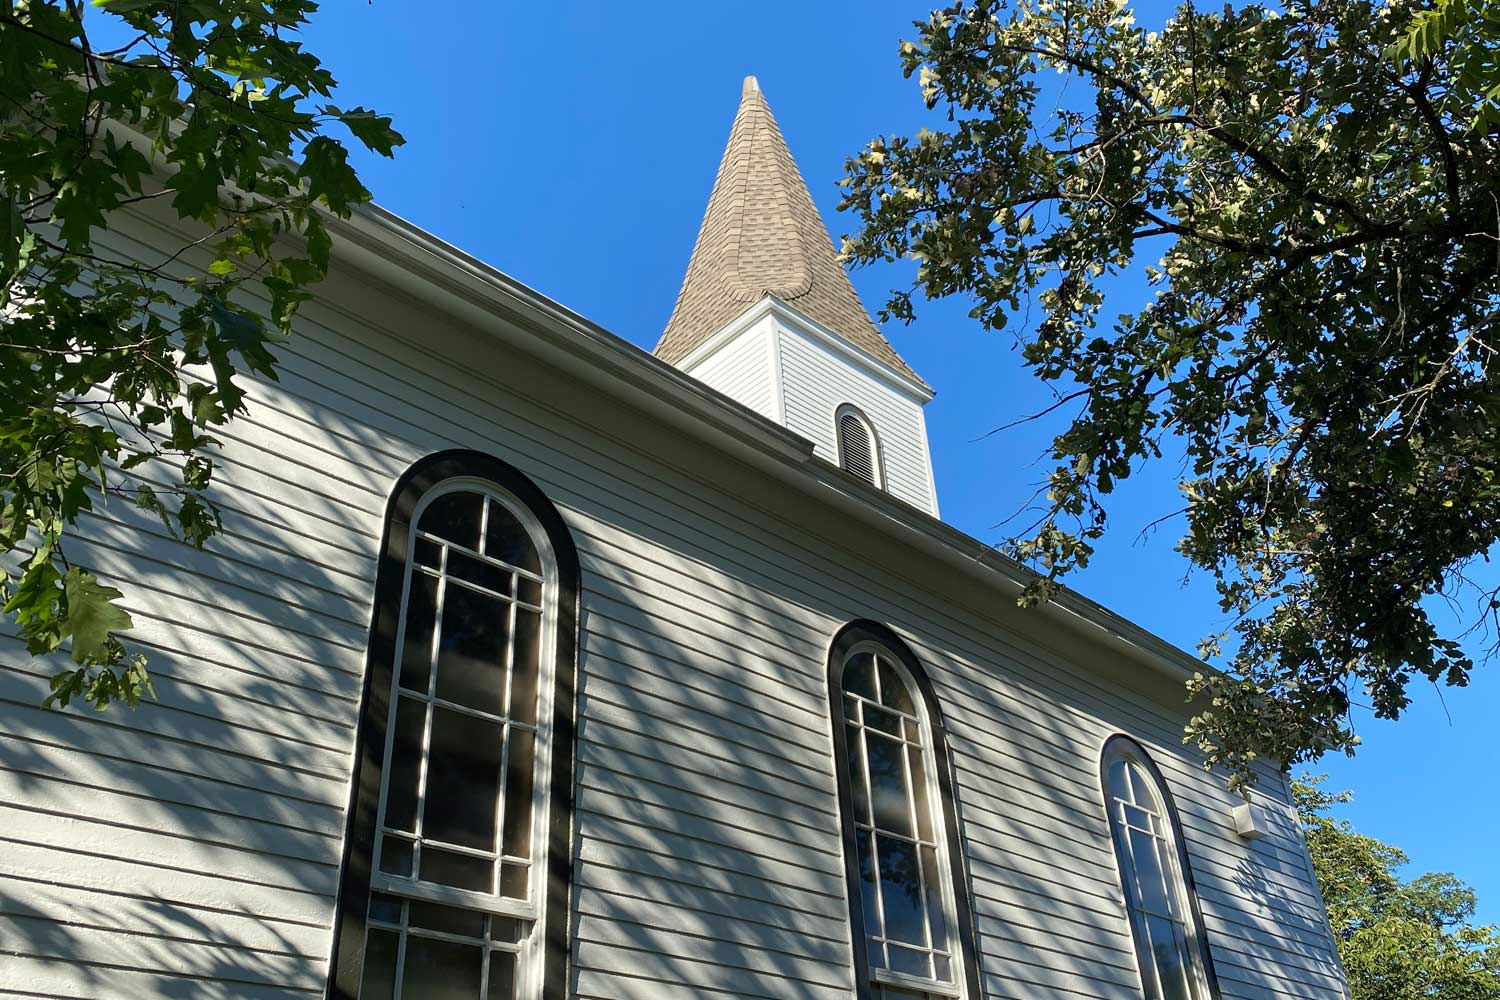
{"x": 767, "y": 316}
{"x": 762, "y": 235}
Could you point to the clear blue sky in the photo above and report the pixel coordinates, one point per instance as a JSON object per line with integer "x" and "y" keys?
{"x": 573, "y": 145}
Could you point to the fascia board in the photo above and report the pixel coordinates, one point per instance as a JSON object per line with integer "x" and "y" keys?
{"x": 426, "y": 268}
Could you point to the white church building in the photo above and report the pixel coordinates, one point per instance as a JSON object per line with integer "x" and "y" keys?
{"x": 533, "y": 666}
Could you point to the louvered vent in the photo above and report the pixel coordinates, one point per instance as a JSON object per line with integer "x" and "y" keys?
{"x": 857, "y": 447}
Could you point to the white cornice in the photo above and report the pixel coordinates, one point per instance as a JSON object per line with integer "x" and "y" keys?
{"x": 406, "y": 257}
{"x": 770, "y": 305}
{"x": 427, "y": 268}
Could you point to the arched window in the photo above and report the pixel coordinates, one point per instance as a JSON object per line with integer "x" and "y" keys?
{"x": 1165, "y": 923}
{"x": 908, "y": 899}
{"x": 859, "y": 450}
{"x": 454, "y": 883}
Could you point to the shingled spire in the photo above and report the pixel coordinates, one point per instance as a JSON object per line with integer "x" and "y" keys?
{"x": 762, "y": 236}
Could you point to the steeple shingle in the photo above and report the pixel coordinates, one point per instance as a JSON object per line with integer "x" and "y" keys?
{"x": 762, "y": 235}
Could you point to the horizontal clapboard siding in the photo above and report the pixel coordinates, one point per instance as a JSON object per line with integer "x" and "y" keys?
{"x": 817, "y": 381}
{"x": 742, "y": 370}
{"x": 191, "y": 847}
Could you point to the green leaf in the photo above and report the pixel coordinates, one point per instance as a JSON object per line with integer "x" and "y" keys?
{"x": 92, "y": 616}
{"x": 373, "y": 130}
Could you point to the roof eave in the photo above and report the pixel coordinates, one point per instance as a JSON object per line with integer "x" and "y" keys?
{"x": 422, "y": 265}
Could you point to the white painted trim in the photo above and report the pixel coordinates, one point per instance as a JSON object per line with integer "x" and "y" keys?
{"x": 770, "y": 305}
{"x": 778, "y": 382}
{"x": 908, "y": 387}
{"x": 726, "y": 335}
{"x": 937, "y": 818}
{"x": 418, "y": 265}
{"x": 927, "y": 453}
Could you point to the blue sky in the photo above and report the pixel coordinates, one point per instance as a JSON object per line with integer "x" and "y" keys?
{"x": 573, "y": 145}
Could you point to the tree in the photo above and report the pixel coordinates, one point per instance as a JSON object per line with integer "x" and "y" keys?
{"x": 1319, "y": 223}
{"x": 1470, "y": 32}
{"x": 116, "y": 370}
{"x": 1397, "y": 939}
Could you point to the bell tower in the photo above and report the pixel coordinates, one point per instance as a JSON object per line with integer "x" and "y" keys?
{"x": 767, "y": 316}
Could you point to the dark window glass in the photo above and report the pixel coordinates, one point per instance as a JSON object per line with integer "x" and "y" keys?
{"x": 514, "y": 880}
{"x": 480, "y": 572}
{"x": 428, "y": 553}
{"x": 508, "y": 541}
{"x": 441, "y": 970}
{"x": 448, "y": 919}
{"x": 455, "y": 517}
{"x": 937, "y": 922}
{"x": 888, "y": 785}
{"x": 386, "y": 909}
{"x": 463, "y": 780}
{"x": 471, "y": 649}
{"x": 909, "y": 961}
{"x": 396, "y": 856}
{"x": 919, "y": 792}
{"x": 406, "y": 765}
{"x": 879, "y": 718}
{"x": 1149, "y": 873}
{"x": 520, "y": 767}
{"x": 416, "y": 645}
{"x": 901, "y": 890}
{"x": 858, "y": 786}
{"x": 378, "y": 981}
{"x": 462, "y": 871}
{"x": 859, "y": 676}
{"x": 893, "y": 692}
{"x": 502, "y": 976}
{"x": 868, "y": 891}
{"x": 528, "y": 655}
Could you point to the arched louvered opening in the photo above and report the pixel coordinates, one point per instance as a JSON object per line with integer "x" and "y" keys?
{"x": 859, "y": 450}
{"x": 454, "y": 878}
{"x": 1165, "y": 923}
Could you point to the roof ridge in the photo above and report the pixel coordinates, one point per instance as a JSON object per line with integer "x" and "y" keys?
{"x": 762, "y": 235}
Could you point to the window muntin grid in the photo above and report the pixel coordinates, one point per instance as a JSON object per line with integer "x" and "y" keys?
{"x": 906, "y": 899}
{"x": 416, "y": 950}
{"x": 468, "y": 688}
{"x": 1162, "y": 924}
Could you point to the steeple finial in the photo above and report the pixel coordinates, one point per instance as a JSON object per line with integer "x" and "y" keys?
{"x": 762, "y": 235}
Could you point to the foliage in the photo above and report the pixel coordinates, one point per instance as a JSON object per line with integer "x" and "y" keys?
{"x": 1319, "y": 227}
{"x": 116, "y": 368}
{"x": 1398, "y": 939}
{"x": 1467, "y": 33}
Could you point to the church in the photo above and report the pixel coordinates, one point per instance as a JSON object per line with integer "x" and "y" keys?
{"x": 533, "y": 666}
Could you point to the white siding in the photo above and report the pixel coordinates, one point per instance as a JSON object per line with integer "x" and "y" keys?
{"x": 192, "y": 846}
{"x": 817, "y": 380}
{"x": 743, "y": 369}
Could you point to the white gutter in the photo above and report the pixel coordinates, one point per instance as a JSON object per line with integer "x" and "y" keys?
{"x": 419, "y": 263}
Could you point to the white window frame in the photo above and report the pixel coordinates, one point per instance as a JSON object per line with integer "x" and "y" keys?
{"x": 877, "y": 455}
{"x": 1126, "y": 750}
{"x": 939, "y": 821}
{"x": 530, "y": 954}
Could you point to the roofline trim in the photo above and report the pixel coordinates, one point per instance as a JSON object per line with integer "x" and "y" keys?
{"x": 772, "y": 304}
{"x": 423, "y": 265}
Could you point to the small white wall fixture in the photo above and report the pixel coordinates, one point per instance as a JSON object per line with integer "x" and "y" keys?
{"x": 1251, "y": 821}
